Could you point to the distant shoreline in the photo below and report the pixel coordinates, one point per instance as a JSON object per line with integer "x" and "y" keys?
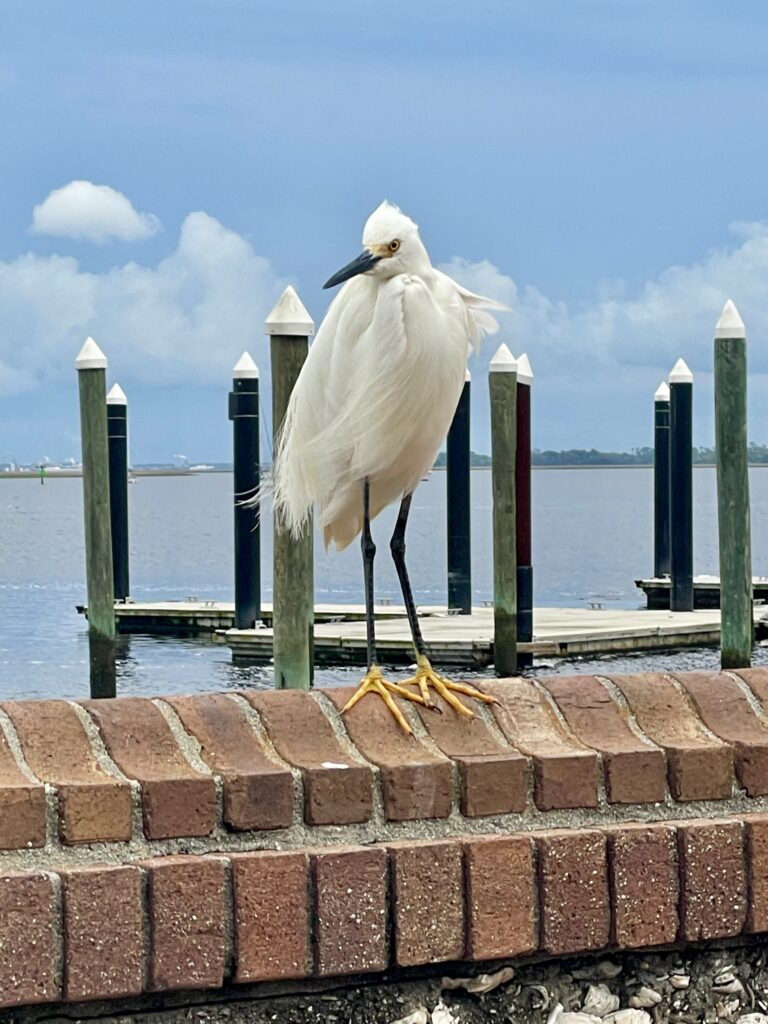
{"x": 54, "y": 474}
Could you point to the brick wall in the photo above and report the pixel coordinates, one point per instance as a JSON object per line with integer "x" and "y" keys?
{"x": 185, "y": 843}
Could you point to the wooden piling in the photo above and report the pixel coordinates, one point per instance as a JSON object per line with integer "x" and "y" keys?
{"x": 117, "y": 441}
{"x": 733, "y": 515}
{"x": 91, "y": 367}
{"x": 244, "y": 413}
{"x": 289, "y": 325}
{"x": 661, "y": 481}
{"x": 502, "y": 383}
{"x": 681, "y": 487}
{"x": 523, "y": 507}
{"x": 458, "y": 507}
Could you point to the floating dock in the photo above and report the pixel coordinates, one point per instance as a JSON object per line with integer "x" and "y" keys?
{"x": 706, "y": 591}
{"x": 466, "y": 641}
{"x": 459, "y": 641}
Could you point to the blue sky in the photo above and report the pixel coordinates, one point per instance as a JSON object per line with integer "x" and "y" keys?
{"x": 598, "y": 164}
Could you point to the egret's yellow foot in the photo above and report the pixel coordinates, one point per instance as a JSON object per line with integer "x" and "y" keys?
{"x": 426, "y": 677}
{"x": 374, "y": 682}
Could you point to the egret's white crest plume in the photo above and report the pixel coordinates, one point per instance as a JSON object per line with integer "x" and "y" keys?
{"x": 373, "y": 404}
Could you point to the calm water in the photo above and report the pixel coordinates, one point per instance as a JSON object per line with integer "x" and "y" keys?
{"x": 593, "y": 536}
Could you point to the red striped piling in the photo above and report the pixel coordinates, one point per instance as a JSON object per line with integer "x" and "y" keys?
{"x": 458, "y": 507}
{"x": 502, "y": 383}
{"x": 661, "y": 481}
{"x": 681, "y": 487}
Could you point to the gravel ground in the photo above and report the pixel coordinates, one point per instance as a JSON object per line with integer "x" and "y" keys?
{"x": 693, "y": 986}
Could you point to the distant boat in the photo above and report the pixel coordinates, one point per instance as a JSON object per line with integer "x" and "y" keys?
{"x": 202, "y": 467}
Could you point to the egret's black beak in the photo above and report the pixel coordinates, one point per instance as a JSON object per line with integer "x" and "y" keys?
{"x": 364, "y": 262}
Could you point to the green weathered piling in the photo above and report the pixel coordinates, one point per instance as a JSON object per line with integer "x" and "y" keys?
{"x": 736, "y": 624}
{"x": 91, "y": 366}
{"x": 502, "y": 382}
{"x": 290, "y": 327}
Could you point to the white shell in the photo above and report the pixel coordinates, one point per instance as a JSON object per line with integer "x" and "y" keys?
{"x": 420, "y": 1016}
{"x": 600, "y": 1001}
{"x": 576, "y": 1017}
{"x": 628, "y": 1017}
{"x": 480, "y": 982}
{"x": 644, "y": 997}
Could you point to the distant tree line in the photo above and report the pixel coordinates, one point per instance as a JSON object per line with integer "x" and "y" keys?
{"x": 758, "y": 455}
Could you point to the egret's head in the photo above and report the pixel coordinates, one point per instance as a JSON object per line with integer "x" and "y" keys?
{"x": 392, "y": 246}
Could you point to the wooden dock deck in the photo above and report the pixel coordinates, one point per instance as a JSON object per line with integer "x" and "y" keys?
{"x": 466, "y": 641}
{"x": 460, "y": 641}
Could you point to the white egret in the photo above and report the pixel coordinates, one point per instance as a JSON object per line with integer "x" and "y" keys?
{"x": 370, "y": 410}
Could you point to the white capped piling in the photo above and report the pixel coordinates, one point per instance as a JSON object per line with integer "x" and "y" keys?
{"x": 661, "y": 481}
{"x": 502, "y": 384}
{"x": 681, "y": 487}
{"x": 290, "y": 327}
{"x": 733, "y": 516}
{"x": 458, "y": 506}
{"x": 244, "y": 413}
{"x": 117, "y": 442}
{"x": 523, "y": 519}
{"x": 91, "y": 365}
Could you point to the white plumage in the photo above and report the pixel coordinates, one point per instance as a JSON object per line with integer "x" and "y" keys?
{"x": 380, "y": 385}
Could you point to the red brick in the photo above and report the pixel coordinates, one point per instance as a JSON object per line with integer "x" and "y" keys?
{"x": 177, "y": 800}
{"x": 565, "y": 773}
{"x": 502, "y": 904}
{"x": 573, "y": 891}
{"x": 725, "y": 710}
{"x": 493, "y": 777}
{"x": 713, "y": 881}
{"x": 699, "y": 766}
{"x": 756, "y": 829}
{"x": 94, "y": 806}
{"x": 337, "y": 790}
{"x": 258, "y": 793}
{"x": 428, "y": 901}
{"x": 350, "y": 887}
{"x": 187, "y": 907}
{"x": 271, "y": 892}
{"x": 415, "y": 783}
{"x": 22, "y": 805}
{"x": 103, "y": 932}
{"x": 635, "y": 768}
{"x": 29, "y": 925}
{"x": 645, "y": 884}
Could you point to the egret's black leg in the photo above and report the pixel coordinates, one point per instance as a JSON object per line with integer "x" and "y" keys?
{"x": 369, "y": 552}
{"x": 425, "y": 675}
{"x": 397, "y": 547}
{"x": 373, "y": 681}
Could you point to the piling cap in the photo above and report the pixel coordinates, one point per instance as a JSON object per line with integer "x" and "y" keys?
{"x": 91, "y": 357}
{"x": 680, "y": 373}
{"x": 730, "y": 324}
{"x": 245, "y": 368}
{"x": 524, "y": 370}
{"x": 662, "y": 392}
{"x": 116, "y": 396}
{"x": 467, "y": 376}
{"x": 503, "y": 361}
{"x": 289, "y": 316}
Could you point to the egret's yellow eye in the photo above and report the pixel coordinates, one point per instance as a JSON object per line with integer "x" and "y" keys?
{"x": 394, "y": 245}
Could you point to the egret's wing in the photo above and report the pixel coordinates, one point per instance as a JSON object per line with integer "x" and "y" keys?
{"x": 478, "y": 322}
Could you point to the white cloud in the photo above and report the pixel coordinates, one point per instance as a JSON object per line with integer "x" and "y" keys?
{"x": 185, "y": 320}
{"x": 93, "y": 212}
{"x": 672, "y": 315}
